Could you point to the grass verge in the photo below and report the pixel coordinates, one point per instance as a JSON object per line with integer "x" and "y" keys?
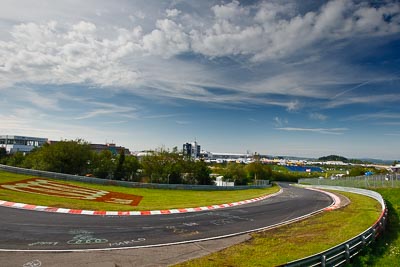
{"x": 153, "y": 199}
{"x": 284, "y": 244}
{"x": 386, "y": 251}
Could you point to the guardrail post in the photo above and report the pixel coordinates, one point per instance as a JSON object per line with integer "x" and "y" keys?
{"x": 364, "y": 241}
{"x": 347, "y": 253}
{"x": 323, "y": 261}
{"x": 383, "y": 223}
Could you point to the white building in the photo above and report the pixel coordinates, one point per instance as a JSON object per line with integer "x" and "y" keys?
{"x": 217, "y": 157}
{"x": 395, "y": 168}
{"x": 220, "y": 182}
{"x": 24, "y": 144}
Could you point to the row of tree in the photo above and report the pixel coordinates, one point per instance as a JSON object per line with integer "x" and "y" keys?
{"x": 161, "y": 166}
{"x": 76, "y": 157}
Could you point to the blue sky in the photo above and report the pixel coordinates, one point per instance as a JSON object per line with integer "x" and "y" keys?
{"x": 305, "y": 78}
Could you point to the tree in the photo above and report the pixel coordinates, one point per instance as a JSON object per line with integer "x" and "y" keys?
{"x": 357, "y": 171}
{"x": 34, "y": 160}
{"x": 172, "y": 171}
{"x": 16, "y": 159}
{"x": 333, "y": 158}
{"x": 66, "y": 156}
{"x": 63, "y": 156}
{"x": 119, "y": 170}
{"x": 103, "y": 165}
{"x": 175, "y": 173}
{"x": 235, "y": 172}
{"x": 163, "y": 166}
{"x": 201, "y": 173}
{"x": 152, "y": 166}
{"x": 131, "y": 166}
{"x": 258, "y": 171}
{"x": 3, "y": 155}
{"x": 3, "y": 152}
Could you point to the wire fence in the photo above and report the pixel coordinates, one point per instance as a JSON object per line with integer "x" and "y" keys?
{"x": 371, "y": 181}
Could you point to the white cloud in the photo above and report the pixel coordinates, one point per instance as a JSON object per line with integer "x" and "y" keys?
{"x": 334, "y": 131}
{"x": 261, "y": 31}
{"x": 83, "y": 29}
{"x": 46, "y": 54}
{"x": 363, "y": 99}
{"x": 229, "y": 11}
{"x": 375, "y": 116}
{"x": 293, "y": 105}
{"x": 109, "y": 109}
{"x": 172, "y": 12}
{"x": 372, "y": 20}
{"x": 279, "y": 122}
{"x": 167, "y": 40}
{"x": 21, "y": 122}
{"x": 332, "y": 18}
{"x": 268, "y": 12}
{"x": 270, "y": 37}
{"x": 88, "y": 52}
{"x": 317, "y": 116}
{"x": 229, "y": 54}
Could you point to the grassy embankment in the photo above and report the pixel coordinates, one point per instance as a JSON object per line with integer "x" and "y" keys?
{"x": 153, "y": 199}
{"x": 298, "y": 240}
{"x": 386, "y": 251}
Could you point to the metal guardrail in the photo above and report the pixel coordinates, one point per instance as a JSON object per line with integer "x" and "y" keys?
{"x": 341, "y": 254}
{"x": 70, "y": 177}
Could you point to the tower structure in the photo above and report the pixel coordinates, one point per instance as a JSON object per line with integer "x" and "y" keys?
{"x": 191, "y": 150}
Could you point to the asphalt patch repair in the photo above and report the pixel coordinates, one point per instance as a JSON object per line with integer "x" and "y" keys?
{"x": 50, "y": 188}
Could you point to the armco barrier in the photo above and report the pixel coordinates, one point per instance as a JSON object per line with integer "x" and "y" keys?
{"x": 69, "y": 177}
{"x": 341, "y": 255}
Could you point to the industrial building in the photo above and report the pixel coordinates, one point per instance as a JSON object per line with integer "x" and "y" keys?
{"x": 191, "y": 150}
{"x": 24, "y": 144}
{"x": 111, "y": 147}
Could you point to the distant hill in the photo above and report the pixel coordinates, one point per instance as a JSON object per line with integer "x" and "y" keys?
{"x": 333, "y": 158}
{"x": 379, "y": 161}
{"x": 355, "y": 161}
{"x": 341, "y": 158}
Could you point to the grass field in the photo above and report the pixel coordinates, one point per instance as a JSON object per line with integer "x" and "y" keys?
{"x": 153, "y": 199}
{"x": 386, "y": 251}
{"x": 298, "y": 240}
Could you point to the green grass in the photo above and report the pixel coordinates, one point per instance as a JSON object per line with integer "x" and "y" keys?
{"x": 153, "y": 199}
{"x": 298, "y": 240}
{"x": 386, "y": 251}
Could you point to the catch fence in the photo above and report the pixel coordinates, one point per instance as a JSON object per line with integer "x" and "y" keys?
{"x": 371, "y": 181}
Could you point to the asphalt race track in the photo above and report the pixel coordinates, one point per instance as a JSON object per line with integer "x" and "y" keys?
{"x": 32, "y": 230}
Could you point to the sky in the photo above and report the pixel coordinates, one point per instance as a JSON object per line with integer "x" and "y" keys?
{"x": 296, "y": 78}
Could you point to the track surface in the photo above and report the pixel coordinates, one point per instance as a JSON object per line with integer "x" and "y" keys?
{"x": 32, "y": 230}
